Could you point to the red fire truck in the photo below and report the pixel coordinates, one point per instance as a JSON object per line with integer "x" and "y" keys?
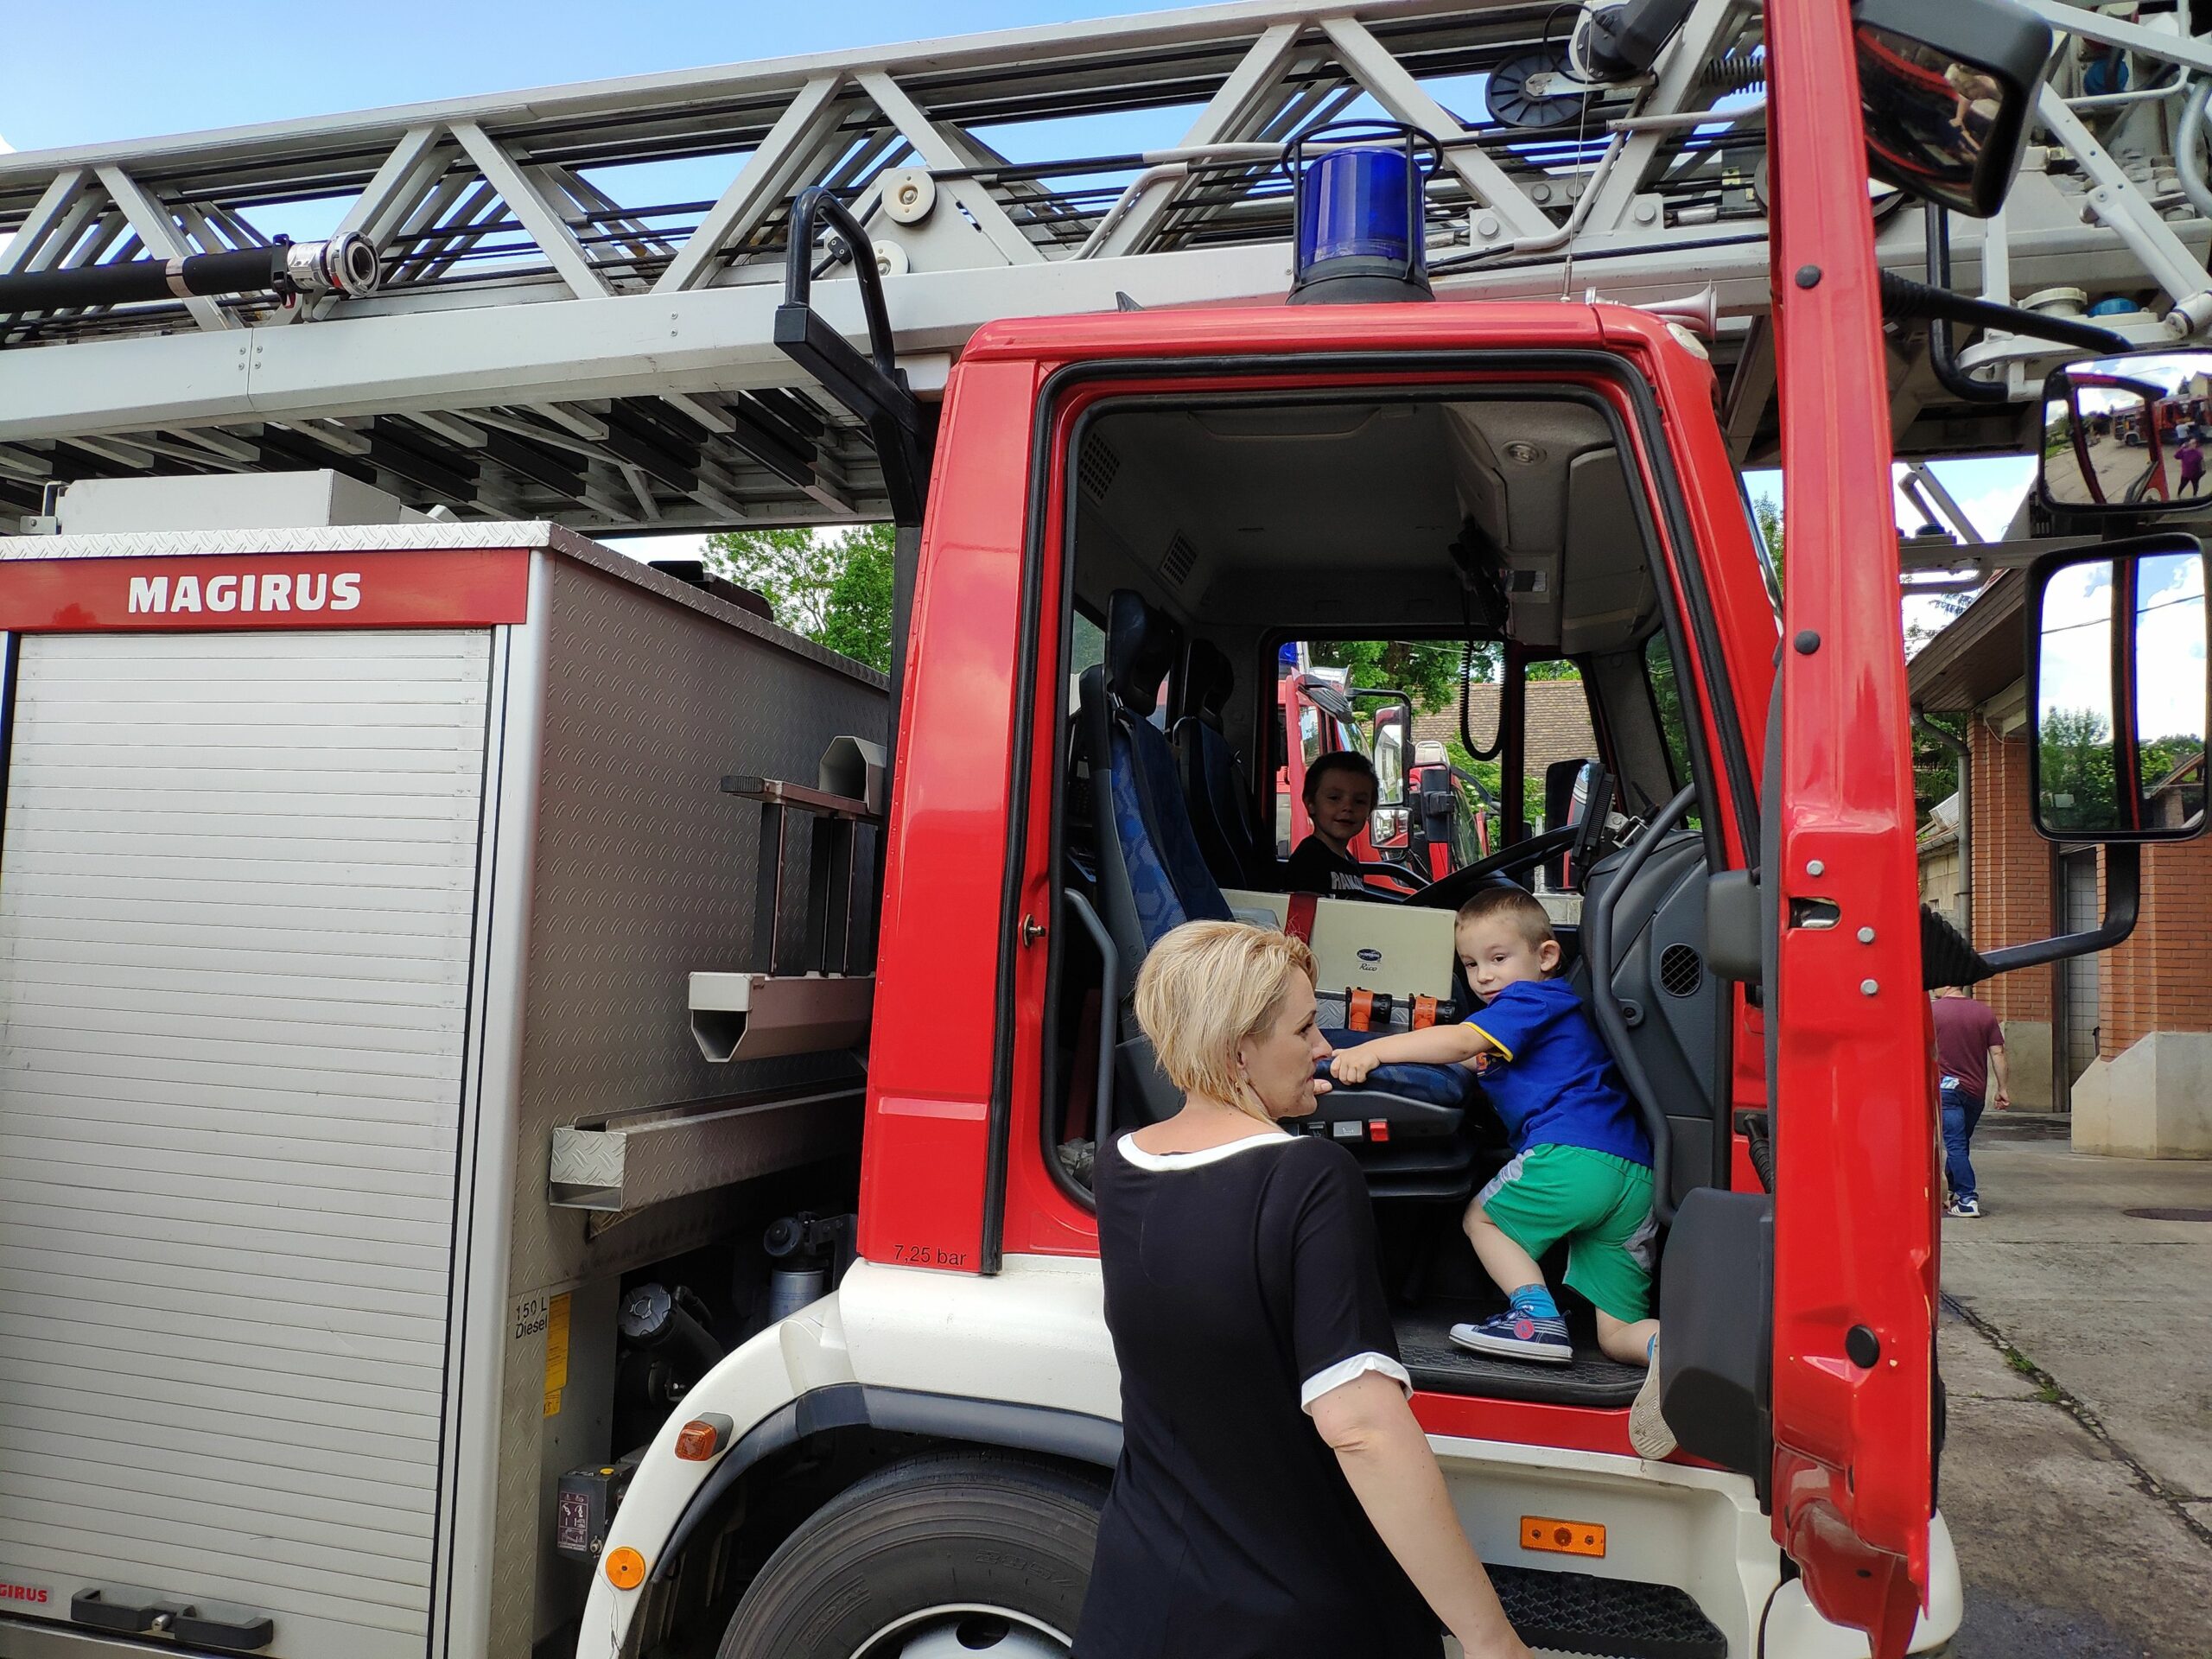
{"x": 516, "y": 1378}
{"x": 921, "y": 1453}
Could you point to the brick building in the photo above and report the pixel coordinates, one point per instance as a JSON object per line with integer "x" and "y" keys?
{"x": 1557, "y": 721}
{"x": 2121, "y": 1040}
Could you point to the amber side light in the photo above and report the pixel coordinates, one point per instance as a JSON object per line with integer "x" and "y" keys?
{"x": 702, "y": 1437}
{"x": 625, "y": 1567}
{"x": 1547, "y": 1532}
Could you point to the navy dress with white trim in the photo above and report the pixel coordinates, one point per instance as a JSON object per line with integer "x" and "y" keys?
{"x": 1241, "y": 1286}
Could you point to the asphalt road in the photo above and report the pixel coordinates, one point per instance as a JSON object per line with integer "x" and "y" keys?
{"x": 2076, "y": 1343}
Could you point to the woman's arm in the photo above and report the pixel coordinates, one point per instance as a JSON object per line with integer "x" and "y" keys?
{"x": 1387, "y": 1460}
{"x": 1453, "y": 1045}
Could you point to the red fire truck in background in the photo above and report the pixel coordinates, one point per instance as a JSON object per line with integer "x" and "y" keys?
{"x": 1431, "y": 817}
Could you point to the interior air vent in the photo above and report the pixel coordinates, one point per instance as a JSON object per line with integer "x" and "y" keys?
{"x": 1097, "y": 469}
{"x": 1178, "y": 562}
{"x": 1680, "y": 970}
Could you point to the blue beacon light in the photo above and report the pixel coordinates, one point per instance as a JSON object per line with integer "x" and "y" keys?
{"x": 1359, "y": 230}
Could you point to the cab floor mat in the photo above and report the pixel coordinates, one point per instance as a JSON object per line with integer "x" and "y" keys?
{"x": 1436, "y": 1363}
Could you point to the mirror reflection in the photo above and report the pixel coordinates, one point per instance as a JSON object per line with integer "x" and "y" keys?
{"x": 1391, "y": 725}
{"x": 1929, "y": 115}
{"x": 2128, "y": 433}
{"x": 2076, "y": 746}
{"x": 2170, "y": 688}
{"x": 1585, "y": 789}
{"x": 2120, "y": 697}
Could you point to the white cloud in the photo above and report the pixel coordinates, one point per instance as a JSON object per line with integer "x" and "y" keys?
{"x": 2169, "y": 647}
{"x": 2074, "y": 667}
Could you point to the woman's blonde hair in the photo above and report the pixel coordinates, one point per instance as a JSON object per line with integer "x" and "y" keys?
{"x": 1206, "y": 988}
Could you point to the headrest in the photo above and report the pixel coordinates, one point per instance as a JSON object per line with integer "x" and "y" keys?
{"x": 1210, "y": 679}
{"x": 1138, "y": 651}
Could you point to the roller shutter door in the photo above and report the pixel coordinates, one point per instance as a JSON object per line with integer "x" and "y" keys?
{"x": 236, "y": 887}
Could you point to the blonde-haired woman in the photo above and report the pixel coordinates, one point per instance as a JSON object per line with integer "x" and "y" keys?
{"x": 1275, "y": 1498}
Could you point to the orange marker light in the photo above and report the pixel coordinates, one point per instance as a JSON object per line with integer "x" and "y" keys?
{"x": 701, "y": 1438}
{"x": 625, "y": 1568}
{"x": 1559, "y": 1537}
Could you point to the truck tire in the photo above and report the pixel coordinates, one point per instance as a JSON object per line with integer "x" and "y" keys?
{"x": 953, "y": 1554}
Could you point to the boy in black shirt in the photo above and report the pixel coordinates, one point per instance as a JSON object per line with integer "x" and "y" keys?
{"x": 1339, "y": 793}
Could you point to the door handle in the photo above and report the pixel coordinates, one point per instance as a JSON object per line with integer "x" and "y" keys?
{"x": 242, "y": 1632}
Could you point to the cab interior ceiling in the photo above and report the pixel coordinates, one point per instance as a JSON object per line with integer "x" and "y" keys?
{"x": 1336, "y": 519}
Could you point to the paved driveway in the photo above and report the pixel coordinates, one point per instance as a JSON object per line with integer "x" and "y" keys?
{"x": 2077, "y": 1345}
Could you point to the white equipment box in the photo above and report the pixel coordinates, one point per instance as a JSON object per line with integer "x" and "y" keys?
{"x": 339, "y": 868}
{"x": 1400, "y": 948}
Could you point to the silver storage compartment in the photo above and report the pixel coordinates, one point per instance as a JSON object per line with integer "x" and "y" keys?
{"x": 311, "y": 940}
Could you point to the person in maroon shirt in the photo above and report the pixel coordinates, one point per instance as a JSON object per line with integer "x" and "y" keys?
{"x": 1970, "y": 1065}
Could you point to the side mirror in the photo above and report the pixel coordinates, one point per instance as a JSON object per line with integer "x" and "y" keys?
{"x": 1393, "y": 741}
{"x": 2118, "y": 692}
{"x": 1944, "y": 91}
{"x": 1566, "y": 792}
{"x": 1570, "y": 793}
{"x": 2127, "y": 434}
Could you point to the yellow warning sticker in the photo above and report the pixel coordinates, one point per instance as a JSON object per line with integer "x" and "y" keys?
{"x": 556, "y": 1353}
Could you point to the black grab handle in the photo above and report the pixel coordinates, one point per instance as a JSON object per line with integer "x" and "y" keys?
{"x": 183, "y": 1622}
{"x": 1597, "y": 951}
{"x": 875, "y": 391}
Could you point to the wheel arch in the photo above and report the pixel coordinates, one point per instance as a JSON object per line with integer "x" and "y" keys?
{"x": 944, "y": 1419}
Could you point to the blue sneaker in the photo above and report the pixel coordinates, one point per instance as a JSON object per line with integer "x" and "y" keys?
{"x": 1520, "y": 1335}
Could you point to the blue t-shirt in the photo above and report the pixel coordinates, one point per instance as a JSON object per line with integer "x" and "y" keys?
{"x": 1550, "y": 1077}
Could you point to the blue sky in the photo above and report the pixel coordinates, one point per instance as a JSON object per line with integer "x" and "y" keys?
{"x": 113, "y": 69}
{"x": 102, "y": 69}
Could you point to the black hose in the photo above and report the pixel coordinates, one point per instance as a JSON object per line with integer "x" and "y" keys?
{"x": 1933, "y": 299}
{"x": 1956, "y": 380}
{"x": 1758, "y": 1141}
{"x": 1466, "y": 728}
{"x": 346, "y": 264}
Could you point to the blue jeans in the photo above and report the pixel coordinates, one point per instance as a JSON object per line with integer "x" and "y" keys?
{"x": 1961, "y": 1112}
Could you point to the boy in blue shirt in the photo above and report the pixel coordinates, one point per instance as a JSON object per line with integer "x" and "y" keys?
{"x": 1581, "y": 1168}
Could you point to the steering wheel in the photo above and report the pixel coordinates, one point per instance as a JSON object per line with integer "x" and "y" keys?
{"x": 1450, "y": 891}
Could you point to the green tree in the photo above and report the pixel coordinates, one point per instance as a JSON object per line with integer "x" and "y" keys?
{"x": 1489, "y": 774}
{"x": 1935, "y": 769}
{"x": 1427, "y": 671}
{"x": 2076, "y": 770}
{"x": 833, "y": 587}
{"x": 1766, "y": 512}
{"x": 856, "y": 618}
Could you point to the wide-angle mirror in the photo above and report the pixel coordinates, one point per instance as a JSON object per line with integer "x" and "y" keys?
{"x": 1392, "y": 735}
{"x": 2118, "y": 692}
{"x": 1944, "y": 94}
{"x": 2128, "y": 434}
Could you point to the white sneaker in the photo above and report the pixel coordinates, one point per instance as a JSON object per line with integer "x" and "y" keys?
{"x": 1964, "y": 1209}
{"x": 1647, "y": 1430}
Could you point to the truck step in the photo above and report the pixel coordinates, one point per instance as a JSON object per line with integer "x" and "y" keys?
{"x": 1607, "y": 1619}
{"x": 1437, "y": 1363}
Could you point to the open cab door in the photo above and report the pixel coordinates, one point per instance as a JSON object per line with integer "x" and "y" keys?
{"x": 1855, "y": 1225}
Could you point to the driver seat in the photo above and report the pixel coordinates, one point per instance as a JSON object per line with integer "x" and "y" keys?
{"x": 1406, "y": 1125}
{"x": 1215, "y": 786}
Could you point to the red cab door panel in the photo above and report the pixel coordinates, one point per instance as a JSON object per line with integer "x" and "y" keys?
{"x": 1854, "y": 1203}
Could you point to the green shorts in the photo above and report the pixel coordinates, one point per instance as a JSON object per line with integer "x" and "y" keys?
{"x": 1600, "y": 1205}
